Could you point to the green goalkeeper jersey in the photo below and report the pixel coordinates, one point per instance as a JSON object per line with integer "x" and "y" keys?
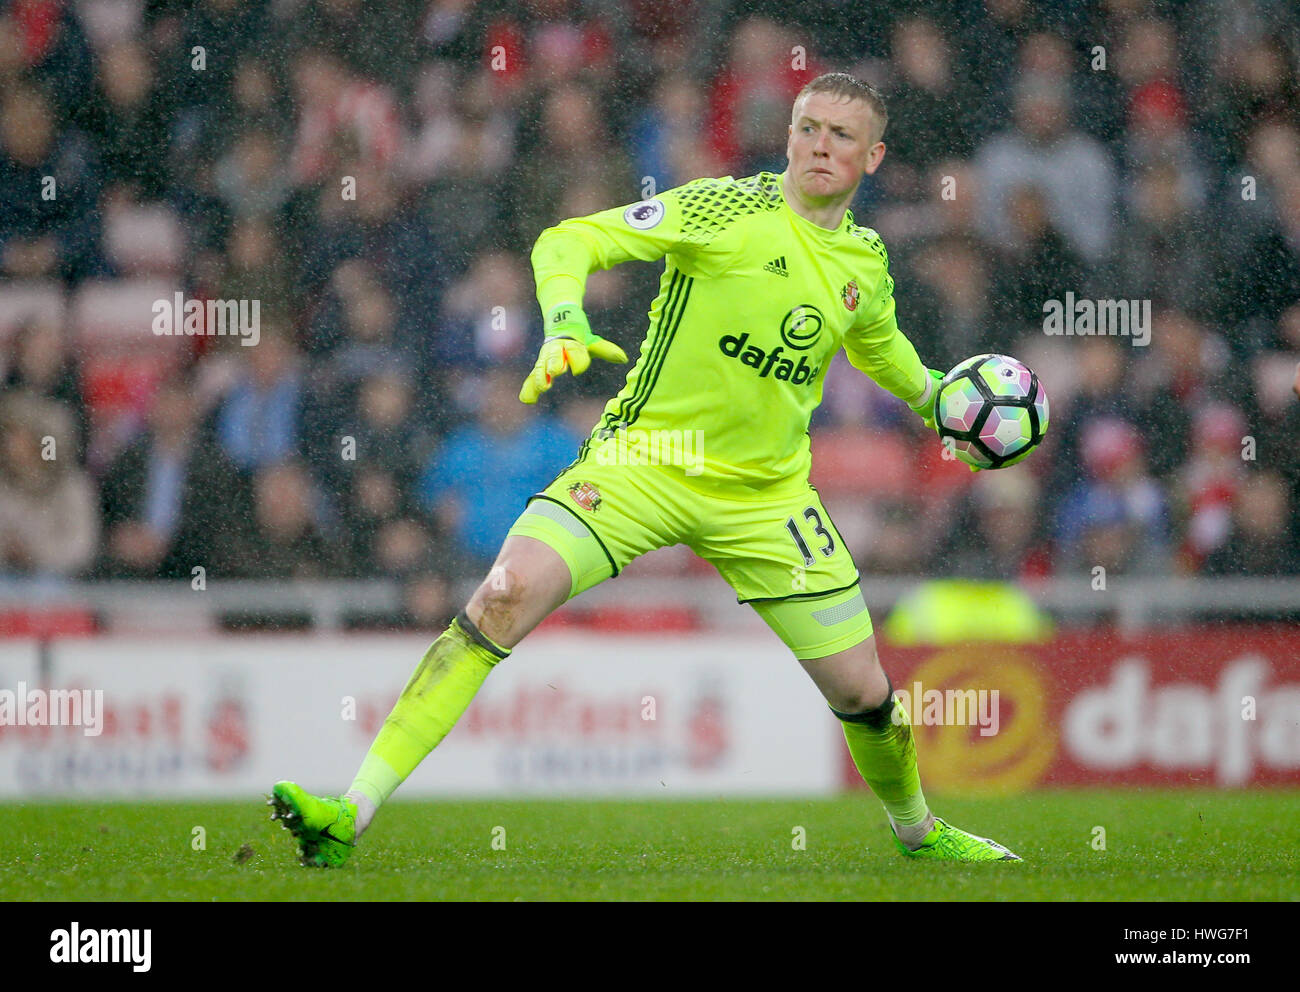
{"x": 753, "y": 304}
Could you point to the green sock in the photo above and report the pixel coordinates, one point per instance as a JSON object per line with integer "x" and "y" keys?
{"x": 439, "y": 691}
{"x": 884, "y": 752}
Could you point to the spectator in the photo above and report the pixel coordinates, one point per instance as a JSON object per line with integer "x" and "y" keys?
{"x": 1074, "y": 170}
{"x": 489, "y": 318}
{"x": 56, "y": 233}
{"x": 396, "y": 239}
{"x": 373, "y": 461}
{"x": 258, "y": 420}
{"x": 750, "y": 100}
{"x": 130, "y": 114}
{"x": 48, "y": 520}
{"x": 1210, "y": 481}
{"x": 458, "y": 118}
{"x": 1163, "y": 255}
{"x": 1190, "y": 366}
{"x": 342, "y": 119}
{"x": 959, "y": 320}
{"x": 171, "y": 500}
{"x": 40, "y": 363}
{"x": 1117, "y": 517}
{"x": 1035, "y": 264}
{"x": 250, "y": 178}
{"x": 1104, "y": 389}
{"x": 256, "y": 269}
{"x": 667, "y": 141}
{"x": 927, "y": 104}
{"x": 285, "y": 541}
{"x": 478, "y": 482}
{"x": 575, "y": 150}
{"x": 997, "y": 534}
{"x": 1259, "y": 542}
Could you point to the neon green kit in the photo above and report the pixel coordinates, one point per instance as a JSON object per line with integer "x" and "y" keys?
{"x": 707, "y": 443}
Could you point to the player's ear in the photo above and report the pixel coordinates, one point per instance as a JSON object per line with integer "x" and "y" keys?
{"x": 875, "y": 155}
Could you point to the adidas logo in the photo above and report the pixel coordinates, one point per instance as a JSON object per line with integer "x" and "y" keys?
{"x": 777, "y": 265}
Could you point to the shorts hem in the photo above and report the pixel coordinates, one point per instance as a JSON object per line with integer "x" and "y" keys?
{"x": 799, "y": 595}
{"x": 835, "y": 646}
{"x": 551, "y": 499}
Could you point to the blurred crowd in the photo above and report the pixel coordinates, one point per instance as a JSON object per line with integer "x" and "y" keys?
{"x": 375, "y": 175}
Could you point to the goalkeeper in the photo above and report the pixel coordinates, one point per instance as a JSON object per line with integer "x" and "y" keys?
{"x": 766, "y": 278}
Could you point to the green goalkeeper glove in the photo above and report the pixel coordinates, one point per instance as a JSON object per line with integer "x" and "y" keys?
{"x": 924, "y": 407}
{"x": 569, "y": 344}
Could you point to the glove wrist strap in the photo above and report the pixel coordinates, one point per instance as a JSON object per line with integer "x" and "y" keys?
{"x": 925, "y": 393}
{"x": 564, "y": 319}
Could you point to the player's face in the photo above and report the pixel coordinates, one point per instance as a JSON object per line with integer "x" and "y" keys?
{"x": 830, "y": 146}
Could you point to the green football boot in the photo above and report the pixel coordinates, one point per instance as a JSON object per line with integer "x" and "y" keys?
{"x": 325, "y": 828}
{"x": 947, "y": 843}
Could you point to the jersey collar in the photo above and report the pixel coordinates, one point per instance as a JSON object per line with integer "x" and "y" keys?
{"x": 808, "y": 225}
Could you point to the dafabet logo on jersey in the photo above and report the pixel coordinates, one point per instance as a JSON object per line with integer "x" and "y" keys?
{"x": 768, "y": 362}
{"x": 801, "y": 328}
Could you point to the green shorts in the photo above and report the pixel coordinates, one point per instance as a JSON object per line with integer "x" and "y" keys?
{"x": 783, "y": 556}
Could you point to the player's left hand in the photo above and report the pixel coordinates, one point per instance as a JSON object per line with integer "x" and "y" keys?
{"x": 925, "y": 408}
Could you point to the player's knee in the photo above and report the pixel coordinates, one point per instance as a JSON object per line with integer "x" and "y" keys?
{"x": 860, "y": 708}
{"x": 505, "y": 587}
{"x": 859, "y": 701}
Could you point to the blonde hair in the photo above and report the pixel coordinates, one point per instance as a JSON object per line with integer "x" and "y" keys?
{"x": 841, "y": 84}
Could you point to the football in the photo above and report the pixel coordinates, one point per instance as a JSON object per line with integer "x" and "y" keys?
{"x": 991, "y": 411}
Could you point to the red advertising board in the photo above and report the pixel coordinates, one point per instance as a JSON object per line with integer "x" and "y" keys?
{"x": 1193, "y": 706}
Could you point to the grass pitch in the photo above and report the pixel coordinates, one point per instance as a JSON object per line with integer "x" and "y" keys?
{"x": 1159, "y": 845}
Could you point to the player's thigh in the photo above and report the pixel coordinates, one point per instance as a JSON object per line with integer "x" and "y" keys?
{"x": 598, "y": 518}
{"x": 526, "y": 583}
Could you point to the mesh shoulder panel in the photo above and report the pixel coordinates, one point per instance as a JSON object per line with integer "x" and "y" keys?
{"x": 710, "y": 206}
{"x": 876, "y": 245}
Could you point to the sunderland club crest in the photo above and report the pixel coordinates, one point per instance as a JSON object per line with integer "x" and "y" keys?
{"x": 849, "y": 294}
{"x": 585, "y": 495}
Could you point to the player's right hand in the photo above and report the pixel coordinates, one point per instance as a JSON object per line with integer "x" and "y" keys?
{"x": 570, "y": 344}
